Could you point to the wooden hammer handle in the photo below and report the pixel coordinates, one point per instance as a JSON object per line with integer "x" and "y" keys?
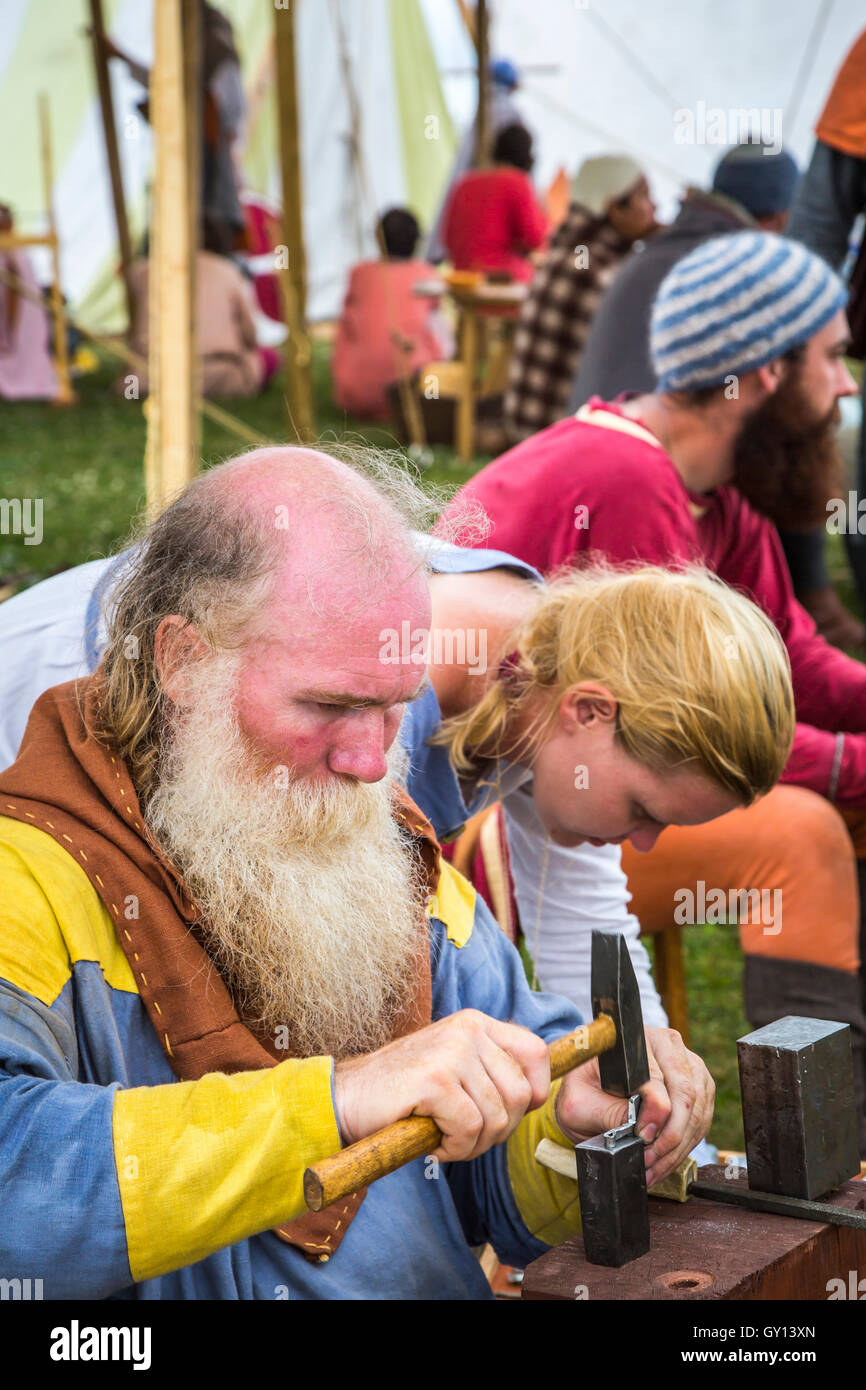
{"x": 390, "y": 1148}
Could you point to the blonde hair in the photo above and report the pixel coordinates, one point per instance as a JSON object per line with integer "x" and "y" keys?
{"x": 701, "y": 676}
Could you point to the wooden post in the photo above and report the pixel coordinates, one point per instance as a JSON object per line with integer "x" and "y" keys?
{"x": 171, "y": 459}
{"x": 482, "y": 120}
{"x": 292, "y": 265}
{"x": 193, "y": 100}
{"x": 468, "y": 17}
{"x": 670, "y": 976}
{"x": 109, "y": 130}
{"x": 464, "y": 420}
{"x": 65, "y": 393}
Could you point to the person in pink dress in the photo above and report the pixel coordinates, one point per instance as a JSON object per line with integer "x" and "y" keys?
{"x": 386, "y": 330}
{"x": 26, "y": 368}
{"x": 494, "y": 219}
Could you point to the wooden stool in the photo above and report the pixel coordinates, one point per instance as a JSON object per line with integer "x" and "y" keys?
{"x": 670, "y": 976}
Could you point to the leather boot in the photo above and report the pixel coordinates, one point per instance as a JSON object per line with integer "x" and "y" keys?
{"x": 774, "y": 988}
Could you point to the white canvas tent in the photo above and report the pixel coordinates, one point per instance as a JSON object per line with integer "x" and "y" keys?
{"x": 43, "y": 45}
{"x": 622, "y": 75}
{"x": 617, "y": 74}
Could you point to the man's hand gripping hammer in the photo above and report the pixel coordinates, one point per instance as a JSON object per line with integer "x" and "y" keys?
{"x": 613, "y": 1035}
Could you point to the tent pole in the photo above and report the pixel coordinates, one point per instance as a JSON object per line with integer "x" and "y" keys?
{"x": 293, "y": 275}
{"x": 482, "y": 124}
{"x": 468, "y": 19}
{"x": 109, "y": 130}
{"x": 262, "y": 80}
{"x": 191, "y": 41}
{"x": 171, "y": 458}
{"x": 65, "y": 393}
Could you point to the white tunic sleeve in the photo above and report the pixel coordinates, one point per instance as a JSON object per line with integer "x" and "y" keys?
{"x": 42, "y": 643}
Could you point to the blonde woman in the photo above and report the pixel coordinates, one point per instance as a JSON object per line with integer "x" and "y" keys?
{"x": 598, "y": 709}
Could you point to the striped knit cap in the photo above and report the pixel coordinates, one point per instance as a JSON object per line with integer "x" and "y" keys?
{"x": 735, "y": 303}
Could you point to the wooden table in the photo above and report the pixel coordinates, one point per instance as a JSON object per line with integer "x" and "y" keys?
{"x": 474, "y": 303}
{"x": 708, "y": 1250}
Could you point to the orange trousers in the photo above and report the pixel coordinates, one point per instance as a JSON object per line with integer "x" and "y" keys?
{"x": 793, "y": 845}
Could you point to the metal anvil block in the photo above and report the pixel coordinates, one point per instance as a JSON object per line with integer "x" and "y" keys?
{"x": 614, "y": 1215}
{"x": 797, "y": 1084}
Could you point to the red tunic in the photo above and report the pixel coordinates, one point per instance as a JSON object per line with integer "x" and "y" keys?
{"x": 580, "y": 486}
{"x": 492, "y": 222}
{"x": 385, "y": 331}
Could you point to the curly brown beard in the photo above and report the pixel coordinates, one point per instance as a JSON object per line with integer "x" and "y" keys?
{"x": 786, "y": 462}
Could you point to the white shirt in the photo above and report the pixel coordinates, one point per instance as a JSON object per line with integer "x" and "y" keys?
{"x": 43, "y": 643}
{"x": 584, "y": 888}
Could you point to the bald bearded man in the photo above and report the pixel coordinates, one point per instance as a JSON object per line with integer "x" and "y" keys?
{"x": 228, "y": 947}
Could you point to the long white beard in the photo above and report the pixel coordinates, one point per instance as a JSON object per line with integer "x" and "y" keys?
{"x": 310, "y": 896}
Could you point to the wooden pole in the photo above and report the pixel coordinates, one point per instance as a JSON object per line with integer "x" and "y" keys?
{"x": 468, "y": 17}
{"x": 482, "y": 120}
{"x": 109, "y": 130}
{"x": 65, "y": 393}
{"x": 191, "y": 39}
{"x": 171, "y": 459}
{"x": 292, "y": 264}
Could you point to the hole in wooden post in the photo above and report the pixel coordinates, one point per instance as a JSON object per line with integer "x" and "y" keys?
{"x": 685, "y": 1279}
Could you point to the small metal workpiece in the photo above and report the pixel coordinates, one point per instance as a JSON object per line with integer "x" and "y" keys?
{"x": 612, "y": 1137}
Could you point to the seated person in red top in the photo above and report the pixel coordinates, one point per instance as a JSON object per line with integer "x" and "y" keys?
{"x": 386, "y": 331}
{"x": 494, "y": 220}
{"x": 748, "y": 336}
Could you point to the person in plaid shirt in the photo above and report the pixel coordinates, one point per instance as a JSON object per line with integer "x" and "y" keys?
{"x": 611, "y": 209}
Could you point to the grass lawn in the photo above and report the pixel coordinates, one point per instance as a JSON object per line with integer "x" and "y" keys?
{"x": 86, "y": 465}
{"x": 714, "y": 974}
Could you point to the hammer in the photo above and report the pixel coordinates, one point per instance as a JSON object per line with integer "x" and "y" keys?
{"x": 615, "y": 1036}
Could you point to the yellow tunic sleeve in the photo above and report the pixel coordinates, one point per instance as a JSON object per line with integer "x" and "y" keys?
{"x": 547, "y": 1201}
{"x": 199, "y": 1164}
{"x": 203, "y": 1164}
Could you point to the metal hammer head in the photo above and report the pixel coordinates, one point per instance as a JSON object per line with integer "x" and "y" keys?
{"x": 624, "y": 1069}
